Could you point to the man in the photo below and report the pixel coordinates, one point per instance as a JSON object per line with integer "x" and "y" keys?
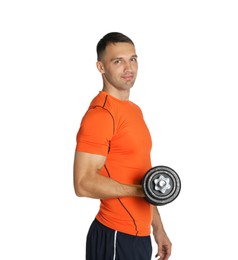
{"x": 112, "y": 156}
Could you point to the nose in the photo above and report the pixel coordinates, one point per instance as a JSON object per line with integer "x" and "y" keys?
{"x": 127, "y": 66}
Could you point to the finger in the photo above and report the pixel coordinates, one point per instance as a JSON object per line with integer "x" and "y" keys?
{"x": 167, "y": 254}
{"x": 159, "y": 257}
{"x": 161, "y": 254}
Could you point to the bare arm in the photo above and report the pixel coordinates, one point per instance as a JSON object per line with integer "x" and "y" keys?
{"x": 89, "y": 183}
{"x": 161, "y": 238}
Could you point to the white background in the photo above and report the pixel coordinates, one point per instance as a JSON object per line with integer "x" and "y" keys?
{"x": 186, "y": 87}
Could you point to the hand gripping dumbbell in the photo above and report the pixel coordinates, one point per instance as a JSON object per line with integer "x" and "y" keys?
{"x": 161, "y": 185}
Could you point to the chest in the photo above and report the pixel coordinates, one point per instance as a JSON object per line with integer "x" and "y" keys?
{"x": 131, "y": 135}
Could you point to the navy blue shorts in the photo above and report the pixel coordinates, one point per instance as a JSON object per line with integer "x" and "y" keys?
{"x": 104, "y": 243}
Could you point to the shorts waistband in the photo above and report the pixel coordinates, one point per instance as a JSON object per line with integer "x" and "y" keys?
{"x": 99, "y": 224}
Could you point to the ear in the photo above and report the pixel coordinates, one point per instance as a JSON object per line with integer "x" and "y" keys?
{"x": 100, "y": 67}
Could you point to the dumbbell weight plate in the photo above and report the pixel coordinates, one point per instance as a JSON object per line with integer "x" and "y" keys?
{"x": 161, "y": 185}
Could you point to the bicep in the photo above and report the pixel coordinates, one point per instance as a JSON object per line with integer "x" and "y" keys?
{"x": 86, "y": 165}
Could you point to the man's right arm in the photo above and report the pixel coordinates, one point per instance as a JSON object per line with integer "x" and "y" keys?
{"x": 89, "y": 183}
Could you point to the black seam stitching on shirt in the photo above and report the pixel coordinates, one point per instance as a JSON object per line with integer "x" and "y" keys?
{"x": 128, "y": 212}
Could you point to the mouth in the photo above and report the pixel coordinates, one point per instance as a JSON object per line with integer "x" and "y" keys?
{"x": 128, "y": 77}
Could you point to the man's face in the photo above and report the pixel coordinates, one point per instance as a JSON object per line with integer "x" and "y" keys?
{"x": 119, "y": 65}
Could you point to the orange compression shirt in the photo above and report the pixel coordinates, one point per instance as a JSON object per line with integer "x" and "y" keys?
{"x": 116, "y": 129}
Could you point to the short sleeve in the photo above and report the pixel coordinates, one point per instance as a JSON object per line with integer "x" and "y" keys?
{"x": 95, "y": 132}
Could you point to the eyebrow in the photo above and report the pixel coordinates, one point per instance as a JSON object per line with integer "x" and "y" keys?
{"x": 120, "y": 58}
{"x": 134, "y": 56}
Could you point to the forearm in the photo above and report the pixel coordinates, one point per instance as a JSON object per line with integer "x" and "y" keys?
{"x": 157, "y": 224}
{"x": 100, "y": 187}
{"x": 160, "y": 236}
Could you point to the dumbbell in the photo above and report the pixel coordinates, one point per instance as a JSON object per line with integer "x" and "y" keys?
{"x": 161, "y": 185}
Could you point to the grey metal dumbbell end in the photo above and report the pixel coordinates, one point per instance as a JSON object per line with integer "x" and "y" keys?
{"x": 161, "y": 185}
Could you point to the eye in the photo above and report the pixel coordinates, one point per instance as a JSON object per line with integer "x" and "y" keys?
{"x": 134, "y": 59}
{"x": 117, "y": 61}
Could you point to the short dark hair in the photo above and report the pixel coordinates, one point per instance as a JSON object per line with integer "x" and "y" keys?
{"x": 112, "y": 37}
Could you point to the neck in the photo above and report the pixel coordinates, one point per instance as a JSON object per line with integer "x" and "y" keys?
{"x": 119, "y": 94}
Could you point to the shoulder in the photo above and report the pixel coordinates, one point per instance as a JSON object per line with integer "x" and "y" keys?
{"x": 135, "y": 105}
{"x": 97, "y": 115}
